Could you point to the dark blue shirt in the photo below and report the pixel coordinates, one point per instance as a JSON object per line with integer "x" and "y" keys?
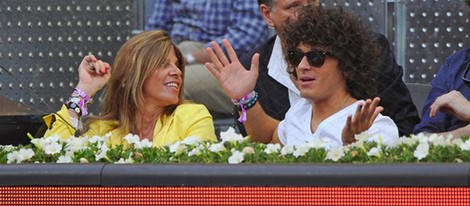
{"x": 447, "y": 79}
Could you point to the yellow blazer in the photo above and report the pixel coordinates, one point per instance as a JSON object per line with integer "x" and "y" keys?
{"x": 188, "y": 119}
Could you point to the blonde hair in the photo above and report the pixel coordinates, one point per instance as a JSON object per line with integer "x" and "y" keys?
{"x": 136, "y": 61}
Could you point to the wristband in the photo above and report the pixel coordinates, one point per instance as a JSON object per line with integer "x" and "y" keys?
{"x": 245, "y": 103}
{"x": 82, "y": 101}
{"x": 73, "y": 105}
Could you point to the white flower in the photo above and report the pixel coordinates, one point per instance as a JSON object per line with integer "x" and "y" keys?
{"x": 325, "y": 143}
{"x": 335, "y": 154}
{"x": 421, "y": 151}
{"x": 194, "y": 152}
{"x": 237, "y": 157}
{"x": 440, "y": 140}
{"x": 74, "y": 144}
{"x": 108, "y": 135}
{"x": 84, "y": 160}
{"x": 12, "y": 157}
{"x": 421, "y": 137}
{"x": 96, "y": 139}
{"x": 132, "y": 139}
{"x": 301, "y": 150}
{"x": 177, "y": 147}
{"x": 218, "y": 147}
{"x": 374, "y": 152}
{"x": 124, "y": 161}
{"x": 65, "y": 159}
{"x": 231, "y": 136}
{"x": 20, "y": 156}
{"x": 248, "y": 150}
{"x": 7, "y": 148}
{"x": 392, "y": 143}
{"x": 145, "y": 143}
{"x": 102, "y": 152}
{"x": 25, "y": 154}
{"x": 465, "y": 146}
{"x": 39, "y": 142}
{"x": 457, "y": 141}
{"x": 363, "y": 136}
{"x": 53, "y": 148}
{"x": 272, "y": 148}
{"x": 318, "y": 143}
{"x": 287, "y": 149}
{"x": 407, "y": 141}
{"x": 192, "y": 140}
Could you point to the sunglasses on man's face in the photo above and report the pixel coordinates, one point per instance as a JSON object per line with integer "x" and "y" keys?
{"x": 315, "y": 58}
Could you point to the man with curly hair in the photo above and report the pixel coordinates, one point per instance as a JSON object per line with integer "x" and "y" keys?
{"x": 333, "y": 59}
{"x": 277, "y": 92}
{"x": 445, "y": 111}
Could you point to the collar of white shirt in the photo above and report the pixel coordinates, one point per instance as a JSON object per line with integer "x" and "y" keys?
{"x": 277, "y": 69}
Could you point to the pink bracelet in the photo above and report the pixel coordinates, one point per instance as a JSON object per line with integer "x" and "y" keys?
{"x": 246, "y": 103}
{"x": 84, "y": 99}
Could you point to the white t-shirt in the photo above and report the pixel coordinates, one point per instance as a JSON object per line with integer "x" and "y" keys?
{"x": 295, "y": 128}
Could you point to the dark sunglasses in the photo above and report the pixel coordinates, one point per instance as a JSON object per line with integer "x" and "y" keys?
{"x": 315, "y": 58}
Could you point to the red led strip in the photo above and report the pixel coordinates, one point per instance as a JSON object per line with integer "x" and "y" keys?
{"x": 233, "y": 196}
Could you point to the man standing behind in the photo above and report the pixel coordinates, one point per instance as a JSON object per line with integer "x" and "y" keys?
{"x": 193, "y": 24}
{"x": 277, "y": 91}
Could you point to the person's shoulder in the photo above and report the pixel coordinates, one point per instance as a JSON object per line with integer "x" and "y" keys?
{"x": 454, "y": 62}
{"x": 189, "y": 108}
{"x": 103, "y": 126}
{"x": 461, "y": 54}
{"x": 381, "y": 39}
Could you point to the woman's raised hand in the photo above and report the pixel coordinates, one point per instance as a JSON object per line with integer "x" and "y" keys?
{"x": 93, "y": 74}
{"x": 233, "y": 77}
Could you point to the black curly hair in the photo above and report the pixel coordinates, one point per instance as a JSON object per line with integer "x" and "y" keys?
{"x": 342, "y": 34}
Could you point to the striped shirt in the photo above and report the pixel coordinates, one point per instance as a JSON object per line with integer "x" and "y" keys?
{"x": 239, "y": 21}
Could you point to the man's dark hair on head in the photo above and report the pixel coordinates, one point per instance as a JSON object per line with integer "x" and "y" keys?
{"x": 342, "y": 34}
{"x": 266, "y": 2}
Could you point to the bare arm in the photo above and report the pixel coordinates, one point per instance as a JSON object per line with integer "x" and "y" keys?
{"x": 238, "y": 82}
{"x": 260, "y": 126}
{"x": 457, "y": 133}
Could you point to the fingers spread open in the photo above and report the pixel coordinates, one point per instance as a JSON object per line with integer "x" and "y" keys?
{"x": 213, "y": 70}
{"x": 374, "y": 104}
{"x": 215, "y": 60}
{"x": 219, "y": 54}
{"x": 255, "y": 64}
{"x": 356, "y": 119}
{"x": 374, "y": 115}
{"x": 230, "y": 51}
{"x": 365, "y": 112}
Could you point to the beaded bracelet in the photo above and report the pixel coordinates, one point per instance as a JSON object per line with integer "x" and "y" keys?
{"x": 247, "y": 102}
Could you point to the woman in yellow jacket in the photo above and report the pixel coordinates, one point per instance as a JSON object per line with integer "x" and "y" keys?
{"x": 143, "y": 96}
